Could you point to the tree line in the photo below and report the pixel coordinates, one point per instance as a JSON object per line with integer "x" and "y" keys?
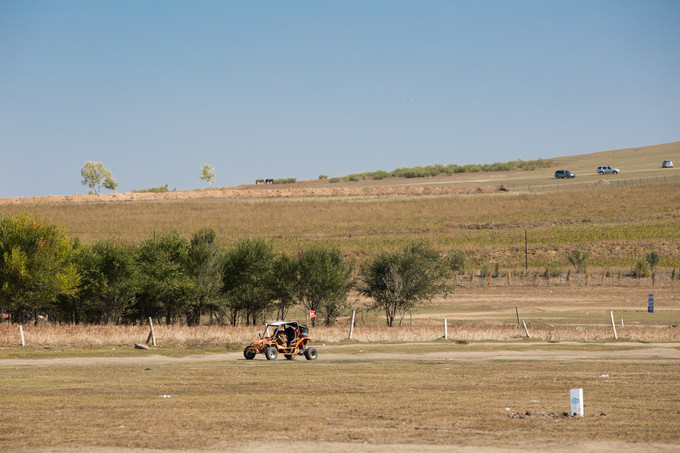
{"x": 177, "y": 279}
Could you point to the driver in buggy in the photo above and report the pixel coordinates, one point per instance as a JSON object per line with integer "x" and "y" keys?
{"x": 287, "y": 336}
{"x": 291, "y": 334}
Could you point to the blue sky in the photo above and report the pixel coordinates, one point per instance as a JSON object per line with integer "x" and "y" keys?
{"x": 154, "y": 89}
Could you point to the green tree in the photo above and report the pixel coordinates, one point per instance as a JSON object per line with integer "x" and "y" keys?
{"x": 653, "y": 259}
{"x": 641, "y": 268}
{"x": 205, "y": 268}
{"x": 248, "y": 280}
{"x": 286, "y": 279}
{"x": 166, "y": 287}
{"x": 324, "y": 283}
{"x": 36, "y": 267}
{"x": 457, "y": 261}
{"x": 579, "y": 260}
{"x": 95, "y": 176}
{"x": 208, "y": 174}
{"x": 398, "y": 281}
{"x": 108, "y": 284}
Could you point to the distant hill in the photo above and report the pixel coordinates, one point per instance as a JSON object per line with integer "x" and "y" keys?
{"x": 637, "y": 165}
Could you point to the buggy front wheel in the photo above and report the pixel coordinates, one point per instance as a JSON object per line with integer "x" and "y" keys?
{"x": 271, "y": 353}
{"x": 249, "y": 354}
{"x": 311, "y": 354}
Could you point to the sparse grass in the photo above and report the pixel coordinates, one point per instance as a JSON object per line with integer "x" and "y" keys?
{"x": 493, "y": 404}
{"x": 617, "y": 226}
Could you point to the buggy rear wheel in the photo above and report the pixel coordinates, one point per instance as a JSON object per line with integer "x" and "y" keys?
{"x": 271, "y": 353}
{"x": 311, "y": 354}
{"x": 248, "y": 353}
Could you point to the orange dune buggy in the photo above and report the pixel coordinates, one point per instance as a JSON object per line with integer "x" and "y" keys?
{"x": 285, "y": 337}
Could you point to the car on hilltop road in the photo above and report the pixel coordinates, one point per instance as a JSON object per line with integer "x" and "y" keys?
{"x": 562, "y": 174}
{"x": 602, "y": 169}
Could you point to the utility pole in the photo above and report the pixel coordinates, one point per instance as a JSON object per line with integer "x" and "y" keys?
{"x": 526, "y": 252}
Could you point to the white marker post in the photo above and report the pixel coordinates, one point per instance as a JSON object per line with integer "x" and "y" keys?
{"x": 576, "y": 402}
{"x": 351, "y": 325}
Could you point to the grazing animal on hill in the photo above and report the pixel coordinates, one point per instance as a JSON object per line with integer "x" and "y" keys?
{"x": 269, "y": 181}
{"x": 259, "y": 181}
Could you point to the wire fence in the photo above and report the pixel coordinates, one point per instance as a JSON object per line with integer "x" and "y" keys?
{"x": 533, "y": 278}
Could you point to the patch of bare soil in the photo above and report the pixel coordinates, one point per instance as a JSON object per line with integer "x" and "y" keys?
{"x": 303, "y": 190}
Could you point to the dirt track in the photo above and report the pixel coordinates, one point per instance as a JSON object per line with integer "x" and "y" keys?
{"x": 637, "y": 351}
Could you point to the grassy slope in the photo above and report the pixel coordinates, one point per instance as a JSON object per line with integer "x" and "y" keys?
{"x": 617, "y": 224}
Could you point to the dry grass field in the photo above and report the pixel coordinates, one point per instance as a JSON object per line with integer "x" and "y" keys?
{"x": 630, "y": 405}
{"x": 618, "y": 224}
{"x": 486, "y": 388}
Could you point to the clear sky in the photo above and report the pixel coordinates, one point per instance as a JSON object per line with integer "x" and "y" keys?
{"x": 154, "y": 89}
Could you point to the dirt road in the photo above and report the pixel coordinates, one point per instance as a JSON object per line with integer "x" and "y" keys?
{"x": 617, "y": 351}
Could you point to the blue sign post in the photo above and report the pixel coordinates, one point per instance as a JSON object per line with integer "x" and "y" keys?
{"x": 650, "y": 306}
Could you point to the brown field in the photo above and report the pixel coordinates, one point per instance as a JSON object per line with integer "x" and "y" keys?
{"x": 617, "y": 218}
{"x": 487, "y": 388}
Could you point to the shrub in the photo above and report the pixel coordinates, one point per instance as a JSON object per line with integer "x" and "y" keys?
{"x": 161, "y": 189}
{"x": 457, "y": 261}
{"x": 380, "y": 174}
{"x": 285, "y": 181}
{"x": 579, "y": 260}
{"x": 641, "y": 268}
{"x": 653, "y": 259}
{"x": 484, "y": 270}
{"x": 323, "y": 176}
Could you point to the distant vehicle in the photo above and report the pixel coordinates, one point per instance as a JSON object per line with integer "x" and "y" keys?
{"x": 667, "y": 164}
{"x": 561, "y": 174}
{"x": 602, "y": 169}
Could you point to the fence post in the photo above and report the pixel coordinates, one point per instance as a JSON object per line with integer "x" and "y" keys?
{"x": 351, "y": 326}
{"x": 611, "y": 314}
{"x": 152, "y": 335}
{"x": 526, "y": 330}
{"x": 446, "y": 330}
{"x": 23, "y": 340}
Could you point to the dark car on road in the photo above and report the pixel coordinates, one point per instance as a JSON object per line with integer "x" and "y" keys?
{"x": 561, "y": 174}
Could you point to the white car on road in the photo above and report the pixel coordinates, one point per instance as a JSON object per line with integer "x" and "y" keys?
{"x": 602, "y": 169}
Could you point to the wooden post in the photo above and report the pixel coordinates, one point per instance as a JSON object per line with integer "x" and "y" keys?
{"x": 23, "y": 340}
{"x": 517, "y": 313}
{"x": 446, "y": 330}
{"x": 611, "y": 314}
{"x": 526, "y": 330}
{"x": 622, "y": 322}
{"x": 351, "y": 325}
{"x": 526, "y": 251}
{"x": 152, "y": 335}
